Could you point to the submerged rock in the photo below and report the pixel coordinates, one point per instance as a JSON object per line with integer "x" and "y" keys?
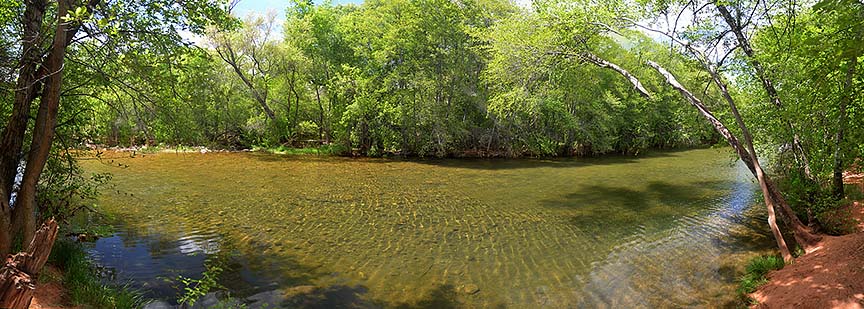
{"x": 271, "y": 299}
{"x": 158, "y": 304}
{"x": 470, "y": 289}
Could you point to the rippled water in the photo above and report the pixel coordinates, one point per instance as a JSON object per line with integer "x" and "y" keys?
{"x": 665, "y": 229}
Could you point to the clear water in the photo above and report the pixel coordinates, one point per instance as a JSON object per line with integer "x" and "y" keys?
{"x": 665, "y": 229}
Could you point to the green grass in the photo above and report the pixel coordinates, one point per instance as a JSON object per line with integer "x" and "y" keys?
{"x": 754, "y": 273}
{"x": 85, "y": 286}
{"x": 325, "y": 150}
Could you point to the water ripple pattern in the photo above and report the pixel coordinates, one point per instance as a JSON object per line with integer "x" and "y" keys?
{"x": 666, "y": 229}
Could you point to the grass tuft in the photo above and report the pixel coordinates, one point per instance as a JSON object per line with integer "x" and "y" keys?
{"x": 754, "y": 273}
{"x": 83, "y": 282}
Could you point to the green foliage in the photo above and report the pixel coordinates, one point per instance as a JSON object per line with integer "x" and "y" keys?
{"x": 193, "y": 289}
{"x": 854, "y": 193}
{"x": 809, "y": 63}
{"x": 64, "y": 189}
{"x": 85, "y": 286}
{"x": 755, "y": 271}
{"x": 837, "y": 220}
{"x": 816, "y": 204}
{"x": 542, "y": 90}
{"x": 412, "y": 77}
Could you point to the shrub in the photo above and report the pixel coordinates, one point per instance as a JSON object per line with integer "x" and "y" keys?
{"x": 817, "y": 205}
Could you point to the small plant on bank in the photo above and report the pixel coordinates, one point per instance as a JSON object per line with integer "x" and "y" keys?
{"x": 754, "y": 273}
{"x": 84, "y": 283}
{"x": 193, "y": 289}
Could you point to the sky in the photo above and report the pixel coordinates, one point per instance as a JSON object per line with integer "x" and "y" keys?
{"x": 261, "y": 7}
{"x": 244, "y": 7}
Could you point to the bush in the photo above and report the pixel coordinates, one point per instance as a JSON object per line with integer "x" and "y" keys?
{"x": 817, "y": 205}
{"x": 307, "y": 130}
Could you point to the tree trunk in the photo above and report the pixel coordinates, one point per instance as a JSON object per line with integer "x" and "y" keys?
{"x": 838, "y": 142}
{"x": 772, "y": 218}
{"x": 767, "y": 84}
{"x": 25, "y": 90}
{"x": 743, "y": 154}
{"x": 802, "y": 233}
{"x": 20, "y": 272}
{"x": 293, "y": 123}
{"x": 320, "y": 112}
{"x": 230, "y": 57}
{"x": 757, "y": 167}
{"x": 603, "y": 63}
{"x": 24, "y": 213}
{"x": 6, "y": 231}
{"x": 255, "y": 93}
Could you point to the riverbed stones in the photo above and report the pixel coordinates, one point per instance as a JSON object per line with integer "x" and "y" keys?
{"x": 158, "y": 304}
{"x": 470, "y": 289}
{"x": 266, "y": 299}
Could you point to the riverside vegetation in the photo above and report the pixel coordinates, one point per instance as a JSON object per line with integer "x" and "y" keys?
{"x": 779, "y": 81}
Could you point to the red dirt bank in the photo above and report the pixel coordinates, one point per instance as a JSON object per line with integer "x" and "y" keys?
{"x": 50, "y": 294}
{"x": 830, "y": 277}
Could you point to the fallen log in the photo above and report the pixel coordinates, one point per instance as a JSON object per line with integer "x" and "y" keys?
{"x": 20, "y": 271}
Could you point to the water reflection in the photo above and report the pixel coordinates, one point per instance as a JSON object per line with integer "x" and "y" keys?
{"x": 662, "y": 229}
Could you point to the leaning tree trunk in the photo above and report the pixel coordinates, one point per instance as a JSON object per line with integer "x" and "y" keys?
{"x": 227, "y": 53}
{"x": 802, "y": 233}
{"x": 743, "y": 154}
{"x": 757, "y": 167}
{"x": 20, "y": 272}
{"x": 773, "y": 197}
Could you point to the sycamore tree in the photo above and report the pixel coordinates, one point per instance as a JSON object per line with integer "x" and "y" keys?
{"x": 559, "y": 83}
{"x": 578, "y": 29}
{"x": 99, "y": 30}
{"x": 316, "y": 31}
{"x": 815, "y": 54}
{"x": 720, "y": 36}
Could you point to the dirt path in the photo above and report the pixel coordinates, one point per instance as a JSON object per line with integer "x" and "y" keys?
{"x": 831, "y": 277}
{"x": 50, "y": 293}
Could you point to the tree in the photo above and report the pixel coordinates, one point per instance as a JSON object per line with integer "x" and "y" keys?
{"x": 75, "y": 23}
{"x": 710, "y": 42}
{"x": 250, "y": 53}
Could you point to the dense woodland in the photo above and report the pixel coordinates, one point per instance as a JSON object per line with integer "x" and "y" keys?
{"x": 783, "y": 79}
{"x": 424, "y": 78}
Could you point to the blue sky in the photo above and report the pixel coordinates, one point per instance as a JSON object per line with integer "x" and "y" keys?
{"x": 244, "y": 7}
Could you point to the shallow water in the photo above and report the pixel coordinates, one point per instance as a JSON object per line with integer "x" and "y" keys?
{"x": 664, "y": 229}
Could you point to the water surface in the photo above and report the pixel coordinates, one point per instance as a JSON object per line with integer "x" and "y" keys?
{"x": 664, "y": 229}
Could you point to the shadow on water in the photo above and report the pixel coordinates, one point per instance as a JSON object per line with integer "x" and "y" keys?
{"x": 480, "y": 163}
{"x": 627, "y": 206}
{"x": 153, "y": 262}
{"x": 244, "y": 273}
{"x": 443, "y": 296}
{"x": 335, "y": 296}
{"x": 308, "y": 231}
{"x": 527, "y": 163}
